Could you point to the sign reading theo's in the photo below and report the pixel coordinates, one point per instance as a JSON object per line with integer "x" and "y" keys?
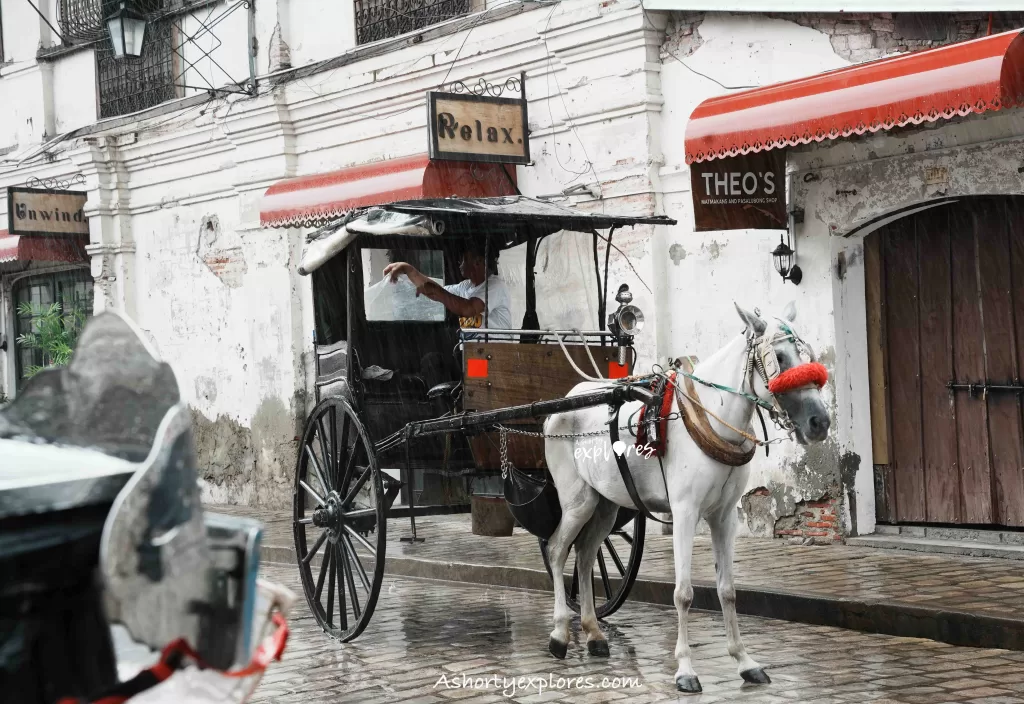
{"x": 36, "y": 211}
{"x": 478, "y": 128}
{"x": 740, "y": 193}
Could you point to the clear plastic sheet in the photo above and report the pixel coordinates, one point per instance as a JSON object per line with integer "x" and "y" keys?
{"x": 394, "y": 302}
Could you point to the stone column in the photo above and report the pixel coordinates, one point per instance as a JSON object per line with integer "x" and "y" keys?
{"x": 112, "y": 245}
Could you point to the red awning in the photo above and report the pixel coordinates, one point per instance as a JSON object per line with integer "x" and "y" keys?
{"x": 69, "y": 250}
{"x": 959, "y": 79}
{"x": 311, "y": 200}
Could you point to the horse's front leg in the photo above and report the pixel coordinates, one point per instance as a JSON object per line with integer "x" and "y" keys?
{"x": 723, "y": 535}
{"x": 684, "y": 525}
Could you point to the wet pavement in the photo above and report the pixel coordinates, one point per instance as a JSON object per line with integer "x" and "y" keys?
{"x": 427, "y": 635}
{"x": 962, "y": 600}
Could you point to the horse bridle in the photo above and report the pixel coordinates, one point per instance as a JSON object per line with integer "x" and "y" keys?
{"x": 762, "y": 357}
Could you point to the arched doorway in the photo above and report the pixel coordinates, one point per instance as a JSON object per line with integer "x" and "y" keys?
{"x": 947, "y": 289}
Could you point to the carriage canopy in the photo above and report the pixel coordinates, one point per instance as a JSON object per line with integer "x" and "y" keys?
{"x": 508, "y": 221}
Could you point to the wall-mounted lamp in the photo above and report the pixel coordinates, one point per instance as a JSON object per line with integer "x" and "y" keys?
{"x": 783, "y": 256}
{"x": 127, "y": 30}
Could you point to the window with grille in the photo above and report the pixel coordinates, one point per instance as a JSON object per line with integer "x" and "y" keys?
{"x": 72, "y": 289}
{"x": 82, "y": 20}
{"x": 130, "y": 84}
{"x": 381, "y": 19}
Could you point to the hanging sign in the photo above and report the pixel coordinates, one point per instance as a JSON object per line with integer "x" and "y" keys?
{"x": 740, "y": 193}
{"x": 40, "y": 211}
{"x": 478, "y": 128}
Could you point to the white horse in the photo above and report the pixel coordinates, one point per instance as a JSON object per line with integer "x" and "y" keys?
{"x": 591, "y": 490}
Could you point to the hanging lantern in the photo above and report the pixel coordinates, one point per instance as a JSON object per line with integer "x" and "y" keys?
{"x": 127, "y": 30}
{"x": 783, "y": 257}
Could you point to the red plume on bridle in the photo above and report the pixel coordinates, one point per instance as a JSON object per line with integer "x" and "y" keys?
{"x": 798, "y": 377}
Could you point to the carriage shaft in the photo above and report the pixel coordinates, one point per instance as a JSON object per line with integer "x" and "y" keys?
{"x": 612, "y": 396}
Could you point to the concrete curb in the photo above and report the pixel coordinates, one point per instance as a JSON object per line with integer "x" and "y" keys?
{"x": 886, "y": 617}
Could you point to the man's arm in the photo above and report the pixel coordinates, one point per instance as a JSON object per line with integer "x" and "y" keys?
{"x": 462, "y": 307}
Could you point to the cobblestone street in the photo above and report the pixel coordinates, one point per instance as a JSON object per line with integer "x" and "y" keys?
{"x": 424, "y": 631}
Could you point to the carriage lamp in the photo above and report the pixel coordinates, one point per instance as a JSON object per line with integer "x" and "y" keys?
{"x": 625, "y": 322}
{"x": 783, "y": 257}
{"x": 127, "y": 30}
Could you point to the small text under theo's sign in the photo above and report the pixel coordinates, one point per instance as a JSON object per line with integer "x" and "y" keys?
{"x": 35, "y": 211}
{"x": 740, "y": 193}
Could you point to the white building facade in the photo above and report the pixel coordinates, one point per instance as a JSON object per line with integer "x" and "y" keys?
{"x": 176, "y": 182}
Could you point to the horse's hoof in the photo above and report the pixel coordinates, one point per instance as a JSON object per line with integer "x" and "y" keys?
{"x": 756, "y": 675}
{"x": 598, "y": 648}
{"x": 689, "y": 684}
{"x": 558, "y": 649}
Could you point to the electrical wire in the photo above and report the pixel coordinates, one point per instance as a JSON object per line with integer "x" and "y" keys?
{"x": 687, "y": 66}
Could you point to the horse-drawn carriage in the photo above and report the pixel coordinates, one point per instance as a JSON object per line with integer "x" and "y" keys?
{"x": 400, "y": 384}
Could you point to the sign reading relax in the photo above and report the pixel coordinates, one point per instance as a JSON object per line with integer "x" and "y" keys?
{"x": 478, "y": 128}
{"x": 37, "y": 211}
{"x": 739, "y": 193}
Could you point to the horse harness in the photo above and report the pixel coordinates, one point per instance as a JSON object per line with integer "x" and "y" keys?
{"x": 653, "y": 420}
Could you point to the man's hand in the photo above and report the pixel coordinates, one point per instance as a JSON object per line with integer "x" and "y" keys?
{"x": 396, "y": 269}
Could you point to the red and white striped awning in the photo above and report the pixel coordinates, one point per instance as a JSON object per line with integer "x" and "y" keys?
{"x": 311, "y": 201}
{"x": 15, "y": 248}
{"x": 959, "y": 79}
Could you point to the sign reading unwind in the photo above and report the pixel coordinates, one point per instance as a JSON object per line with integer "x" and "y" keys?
{"x": 478, "y": 128}
{"x": 37, "y": 211}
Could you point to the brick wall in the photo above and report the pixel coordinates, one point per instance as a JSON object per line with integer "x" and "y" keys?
{"x": 864, "y": 37}
{"x": 813, "y": 522}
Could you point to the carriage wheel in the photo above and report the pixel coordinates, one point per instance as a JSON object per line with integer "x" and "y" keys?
{"x": 340, "y": 519}
{"x": 616, "y": 566}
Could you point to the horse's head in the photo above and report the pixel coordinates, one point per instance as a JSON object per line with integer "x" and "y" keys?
{"x": 787, "y": 374}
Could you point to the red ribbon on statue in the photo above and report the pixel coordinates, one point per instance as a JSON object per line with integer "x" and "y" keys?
{"x": 798, "y": 377}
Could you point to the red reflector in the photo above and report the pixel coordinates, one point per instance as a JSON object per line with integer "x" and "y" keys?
{"x": 476, "y": 368}
{"x": 617, "y": 371}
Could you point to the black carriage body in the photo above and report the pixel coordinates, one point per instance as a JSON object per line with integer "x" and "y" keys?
{"x": 368, "y": 420}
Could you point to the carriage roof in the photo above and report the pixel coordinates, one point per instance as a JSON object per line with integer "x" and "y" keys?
{"x": 508, "y": 221}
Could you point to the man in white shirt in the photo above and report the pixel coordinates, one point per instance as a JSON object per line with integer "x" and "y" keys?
{"x": 466, "y": 298}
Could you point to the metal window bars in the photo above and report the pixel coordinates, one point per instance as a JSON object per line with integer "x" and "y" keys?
{"x": 82, "y": 20}
{"x": 131, "y": 84}
{"x": 383, "y": 19}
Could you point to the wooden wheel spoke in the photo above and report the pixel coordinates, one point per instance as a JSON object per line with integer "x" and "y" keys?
{"x": 361, "y": 571}
{"x": 339, "y": 567}
{"x": 333, "y": 471}
{"x": 316, "y": 546}
{"x": 321, "y": 434}
{"x": 357, "y": 486}
{"x": 343, "y": 477}
{"x": 324, "y": 565}
{"x": 350, "y": 466}
{"x": 317, "y": 469}
{"x": 365, "y": 543}
{"x": 574, "y": 591}
{"x": 625, "y": 536}
{"x": 360, "y": 513}
{"x": 615, "y": 556}
{"x": 350, "y": 580}
{"x": 309, "y": 490}
{"x": 604, "y": 575}
{"x": 330, "y": 588}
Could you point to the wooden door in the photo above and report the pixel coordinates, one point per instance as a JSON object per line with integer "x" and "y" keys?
{"x": 947, "y": 288}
